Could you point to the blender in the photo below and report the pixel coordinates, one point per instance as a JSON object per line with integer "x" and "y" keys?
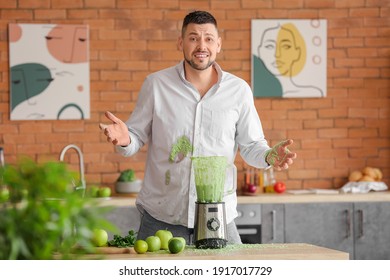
{"x": 210, "y": 216}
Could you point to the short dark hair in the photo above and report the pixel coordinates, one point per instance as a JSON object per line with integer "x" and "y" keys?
{"x": 198, "y": 17}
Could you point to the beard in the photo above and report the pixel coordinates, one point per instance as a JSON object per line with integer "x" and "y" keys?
{"x": 196, "y": 66}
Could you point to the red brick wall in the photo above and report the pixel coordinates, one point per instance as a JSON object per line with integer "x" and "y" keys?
{"x": 347, "y": 130}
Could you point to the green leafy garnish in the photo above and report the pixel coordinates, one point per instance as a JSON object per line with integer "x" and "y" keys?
{"x": 125, "y": 241}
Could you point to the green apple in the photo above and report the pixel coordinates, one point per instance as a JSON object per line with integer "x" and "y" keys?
{"x": 99, "y": 237}
{"x": 104, "y": 192}
{"x": 165, "y": 236}
{"x": 4, "y": 194}
{"x": 93, "y": 191}
{"x": 154, "y": 243}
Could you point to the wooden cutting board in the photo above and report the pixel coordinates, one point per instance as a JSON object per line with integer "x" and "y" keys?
{"x": 114, "y": 250}
{"x": 108, "y": 250}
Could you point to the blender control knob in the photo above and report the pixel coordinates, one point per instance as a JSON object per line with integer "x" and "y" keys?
{"x": 213, "y": 224}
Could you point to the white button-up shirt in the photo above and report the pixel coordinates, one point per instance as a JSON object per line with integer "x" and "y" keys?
{"x": 170, "y": 109}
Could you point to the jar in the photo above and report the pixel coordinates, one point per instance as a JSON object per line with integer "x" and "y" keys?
{"x": 269, "y": 179}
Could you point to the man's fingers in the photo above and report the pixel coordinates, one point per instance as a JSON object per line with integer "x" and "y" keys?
{"x": 112, "y": 117}
{"x": 113, "y": 131}
{"x": 294, "y": 156}
{"x": 291, "y": 155}
{"x": 103, "y": 126}
{"x": 287, "y": 142}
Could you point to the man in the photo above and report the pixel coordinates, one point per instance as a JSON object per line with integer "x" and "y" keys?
{"x": 191, "y": 109}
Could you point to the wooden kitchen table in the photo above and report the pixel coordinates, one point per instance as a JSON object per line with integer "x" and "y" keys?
{"x": 292, "y": 251}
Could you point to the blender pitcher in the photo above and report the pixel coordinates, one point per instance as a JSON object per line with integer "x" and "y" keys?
{"x": 210, "y": 174}
{"x": 210, "y": 213}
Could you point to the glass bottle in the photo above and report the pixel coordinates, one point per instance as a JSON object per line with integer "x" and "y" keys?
{"x": 269, "y": 180}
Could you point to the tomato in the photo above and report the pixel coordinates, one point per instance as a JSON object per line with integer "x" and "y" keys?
{"x": 280, "y": 187}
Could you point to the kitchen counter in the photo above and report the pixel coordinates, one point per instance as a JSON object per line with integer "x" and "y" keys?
{"x": 292, "y": 251}
{"x": 121, "y": 201}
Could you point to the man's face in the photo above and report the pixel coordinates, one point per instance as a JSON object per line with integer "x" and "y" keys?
{"x": 200, "y": 44}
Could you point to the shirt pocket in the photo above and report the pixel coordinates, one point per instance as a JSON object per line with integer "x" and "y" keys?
{"x": 220, "y": 124}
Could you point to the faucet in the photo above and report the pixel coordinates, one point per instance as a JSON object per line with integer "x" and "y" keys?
{"x": 81, "y": 160}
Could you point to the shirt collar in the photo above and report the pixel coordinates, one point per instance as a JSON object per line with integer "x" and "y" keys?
{"x": 181, "y": 72}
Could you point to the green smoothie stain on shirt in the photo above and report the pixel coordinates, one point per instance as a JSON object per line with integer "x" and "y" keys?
{"x": 180, "y": 149}
{"x": 178, "y": 152}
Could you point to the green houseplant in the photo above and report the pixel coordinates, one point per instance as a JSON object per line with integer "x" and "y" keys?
{"x": 44, "y": 218}
{"x": 127, "y": 182}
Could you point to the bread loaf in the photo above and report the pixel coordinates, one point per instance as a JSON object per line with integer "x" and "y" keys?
{"x": 379, "y": 174}
{"x": 367, "y": 178}
{"x": 355, "y": 176}
{"x": 369, "y": 171}
{"x": 367, "y": 174}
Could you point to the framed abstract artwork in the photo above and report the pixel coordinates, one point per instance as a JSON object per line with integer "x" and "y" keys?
{"x": 289, "y": 58}
{"x": 49, "y": 71}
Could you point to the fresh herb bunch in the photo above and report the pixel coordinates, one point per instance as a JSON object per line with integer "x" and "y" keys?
{"x": 44, "y": 217}
{"x": 125, "y": 241}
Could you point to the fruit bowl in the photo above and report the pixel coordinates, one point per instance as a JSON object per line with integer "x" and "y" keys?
{"x": 128, "y": 187}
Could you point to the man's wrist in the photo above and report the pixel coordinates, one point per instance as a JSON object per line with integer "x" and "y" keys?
{"x": 266, "y": 157}
{"x": 127, "y": 144}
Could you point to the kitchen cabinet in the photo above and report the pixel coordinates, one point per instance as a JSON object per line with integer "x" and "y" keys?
{"x": 272, "y": 223}
{"x": 328, "y": 224}
{"x": 361, "y": 229}
{"x": 372, "y": 230}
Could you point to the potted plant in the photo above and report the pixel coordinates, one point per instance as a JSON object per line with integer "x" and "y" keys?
{"x": 127, "y": 182}
{"x": 44, "y": 218}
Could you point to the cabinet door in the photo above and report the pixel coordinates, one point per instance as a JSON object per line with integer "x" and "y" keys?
{"x": 272, "y": 223}
{"x": 323, "y": 224}
{"x": 372, "y": 230}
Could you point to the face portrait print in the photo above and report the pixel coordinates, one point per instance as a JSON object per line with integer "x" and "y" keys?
{"x": 49, "y": 71}
{"x": 281, "y": 65}
{"x": 279, "y": 51}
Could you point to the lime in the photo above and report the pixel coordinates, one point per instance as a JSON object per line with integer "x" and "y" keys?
{"x": 100, "y": 237}
{"x": 176, "y": 245}
{"x": 182, "y": 240}
{"x": 140, "y": 246}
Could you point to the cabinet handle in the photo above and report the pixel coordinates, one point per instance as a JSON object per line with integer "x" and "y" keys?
{"x": 348, "y": 222}
{"x": 360, "y": 213}
{"x": 273, "y": 217}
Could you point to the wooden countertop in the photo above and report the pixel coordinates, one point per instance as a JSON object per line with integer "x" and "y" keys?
{"x": 122, "y": 201}
{"x": 292, "y": 251}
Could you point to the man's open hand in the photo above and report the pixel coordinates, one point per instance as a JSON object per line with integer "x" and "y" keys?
{"x": 280, "y": 156}
{"x": 117, "y": 132}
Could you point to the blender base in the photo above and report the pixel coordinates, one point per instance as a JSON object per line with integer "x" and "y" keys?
{"x": 210, "y": 243}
